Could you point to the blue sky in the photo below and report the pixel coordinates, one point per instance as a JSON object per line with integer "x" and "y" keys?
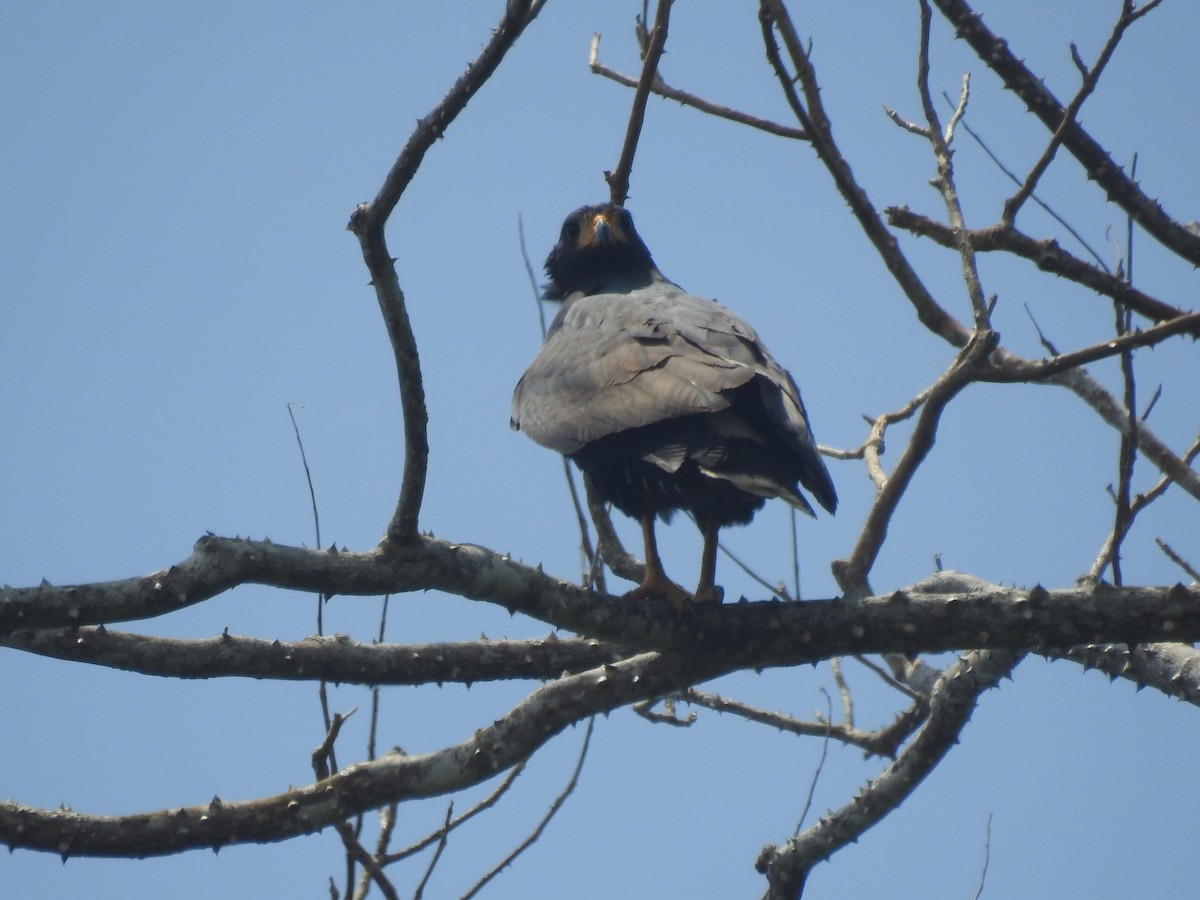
{"x": 174, "y": 271}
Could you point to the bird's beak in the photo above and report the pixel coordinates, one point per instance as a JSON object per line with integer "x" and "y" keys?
{"x": 602, "y": 229}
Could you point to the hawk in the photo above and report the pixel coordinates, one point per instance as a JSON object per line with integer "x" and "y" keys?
{"x": 666, "y": 401}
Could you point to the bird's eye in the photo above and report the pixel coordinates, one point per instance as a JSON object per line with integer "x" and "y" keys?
{"x": 570, "y": 231}
{"x": 625, "y": 220}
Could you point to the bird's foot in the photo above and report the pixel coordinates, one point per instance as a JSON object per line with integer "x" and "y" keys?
{"x": 713, "y": 593}
{"x": 664, "y": 589}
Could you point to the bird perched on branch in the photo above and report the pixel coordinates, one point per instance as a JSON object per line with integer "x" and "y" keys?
{"x": 665, "y": 400}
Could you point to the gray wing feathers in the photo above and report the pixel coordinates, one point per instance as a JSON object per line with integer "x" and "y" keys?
{"x": 618, "y": 361}
{"x": 613, "y": 362}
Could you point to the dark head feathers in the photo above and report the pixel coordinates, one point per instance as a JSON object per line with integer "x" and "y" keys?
{"x": 598, "y": 249}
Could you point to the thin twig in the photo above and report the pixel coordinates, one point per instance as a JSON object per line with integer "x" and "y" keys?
{"x": 537, "y": 832}
{"x": 879, "y": 743}
{"x": 356, "y": 852}
{"x": 662, "y": 89}
{"x": 1046, "y": 343}
{"x": 911, "y": 127}
{"x": 1177, "y": 559}
{"x": 786, "y": 868}
{"x": 1017, "y": 181}
{"x": 1127, "y": 452}
{"x": 852, "y": 572}
{"x": 816, "y": 775}
{"x": 773, "y": 16}
{"x": 835, "y": 665}
{"x": 533, "y": 285}
{"x": 618, "y": 179}
{"x": 387, "y": 825}
{"x": 322, "y": 690}
{"x": 940, "y": 141}
{"x": 890, "y": 680}
{"x": 1011, "y": 369}
{"x": 312, "y": 494}
{"x": 324, "y": 761}
{"x": 999, "y": 55}
{"x": 645, "y": 709}
{"x": 487, "y": 803}
{"x": 437, "y": 854}
{"x": 987, "y": 855}
{"x": 1090, "y": 78}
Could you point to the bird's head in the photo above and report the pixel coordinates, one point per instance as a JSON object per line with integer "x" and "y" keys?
{"x": 598, "y": 250}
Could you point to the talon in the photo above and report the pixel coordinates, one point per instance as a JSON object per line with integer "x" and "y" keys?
{"x": 663, "y": 589}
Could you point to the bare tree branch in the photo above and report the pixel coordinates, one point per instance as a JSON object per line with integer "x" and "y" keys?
{"x": 1032, "y": 91}
{"x": 618, "y": 179}
{"x": 660, "y": 87}
{"x": 951, "y": 705}
{"x": 813, "y": 119}
{"x": 487, "y": 803}
{"x": 1110, "y": 410}
{"x": 367, "y": 223}
{"x": 541, "y": 826}
{"x": 1090, "y": 78}
{"x": 764, "y": 633}
{"x": 337, "y": 658}
{"x": 1173, "y": 669}
{"x": 852, "y": 572}
{"x": 1139, "y": 503}
{"x": 1177, "y": 559}
{"x": 883, "y": 742}
{"x": 945, "y": 168}
{"x": 1046, "y": 254}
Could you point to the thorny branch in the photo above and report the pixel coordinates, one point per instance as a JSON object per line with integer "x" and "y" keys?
{"x": 954, "y": 699}
{"x": 1032, "y": 91}
{"x": 1090, "y": 79}
{"x": 637, "y": 654}
{"x": 550, "y": 813}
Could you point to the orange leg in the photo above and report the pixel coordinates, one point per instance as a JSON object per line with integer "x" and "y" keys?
{"x": 707, "y": 590}
{"x": 655, "y": 582}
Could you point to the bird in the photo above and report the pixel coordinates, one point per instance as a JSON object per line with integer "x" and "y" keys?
{"x": 665, "y": 400}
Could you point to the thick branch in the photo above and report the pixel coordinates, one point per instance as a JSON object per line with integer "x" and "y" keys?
{"x": 358, "y": 788}
{"x": 338, "y": 659}
{"x": 765, "y": 633}
{"x": 1173, "y": 669}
